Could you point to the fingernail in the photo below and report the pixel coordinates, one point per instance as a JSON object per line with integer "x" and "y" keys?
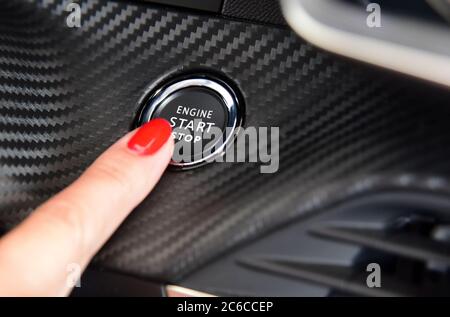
{"x": 150, "y": 137}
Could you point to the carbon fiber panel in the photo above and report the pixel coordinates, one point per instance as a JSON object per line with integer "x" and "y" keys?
{"x": 66, "y": 94}
{"x": 267, "y": 11}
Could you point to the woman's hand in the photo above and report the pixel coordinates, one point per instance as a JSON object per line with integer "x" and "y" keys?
{"x": 71, "y": 227}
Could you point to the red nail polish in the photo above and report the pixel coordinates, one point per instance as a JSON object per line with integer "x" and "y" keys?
{"x": 150, "y": 137}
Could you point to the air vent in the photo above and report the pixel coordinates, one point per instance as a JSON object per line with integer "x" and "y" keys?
{"x": 413, "y": 262}
{"x": 329, "y": 254}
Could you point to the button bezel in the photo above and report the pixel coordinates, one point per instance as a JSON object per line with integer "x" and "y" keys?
{"x": 219, "y": 87}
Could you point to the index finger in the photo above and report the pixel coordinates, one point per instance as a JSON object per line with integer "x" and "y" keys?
{"x": 74, "y": 224}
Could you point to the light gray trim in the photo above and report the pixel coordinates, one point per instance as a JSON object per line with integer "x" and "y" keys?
{"x": 403, "y": 44}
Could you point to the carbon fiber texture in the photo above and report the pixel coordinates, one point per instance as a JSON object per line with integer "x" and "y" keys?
{"x": 267, "y": 11}
{"x": 67, "y": 94}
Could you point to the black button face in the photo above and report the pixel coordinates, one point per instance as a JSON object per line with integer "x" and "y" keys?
{"x": 193, "y": 113}
{"x": 202, "y": 112}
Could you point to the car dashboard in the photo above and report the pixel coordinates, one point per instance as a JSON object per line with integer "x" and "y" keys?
{"x": 363, "y": 172}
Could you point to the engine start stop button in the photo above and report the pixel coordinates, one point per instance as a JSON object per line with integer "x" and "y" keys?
{"x": 203, "y": 112}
